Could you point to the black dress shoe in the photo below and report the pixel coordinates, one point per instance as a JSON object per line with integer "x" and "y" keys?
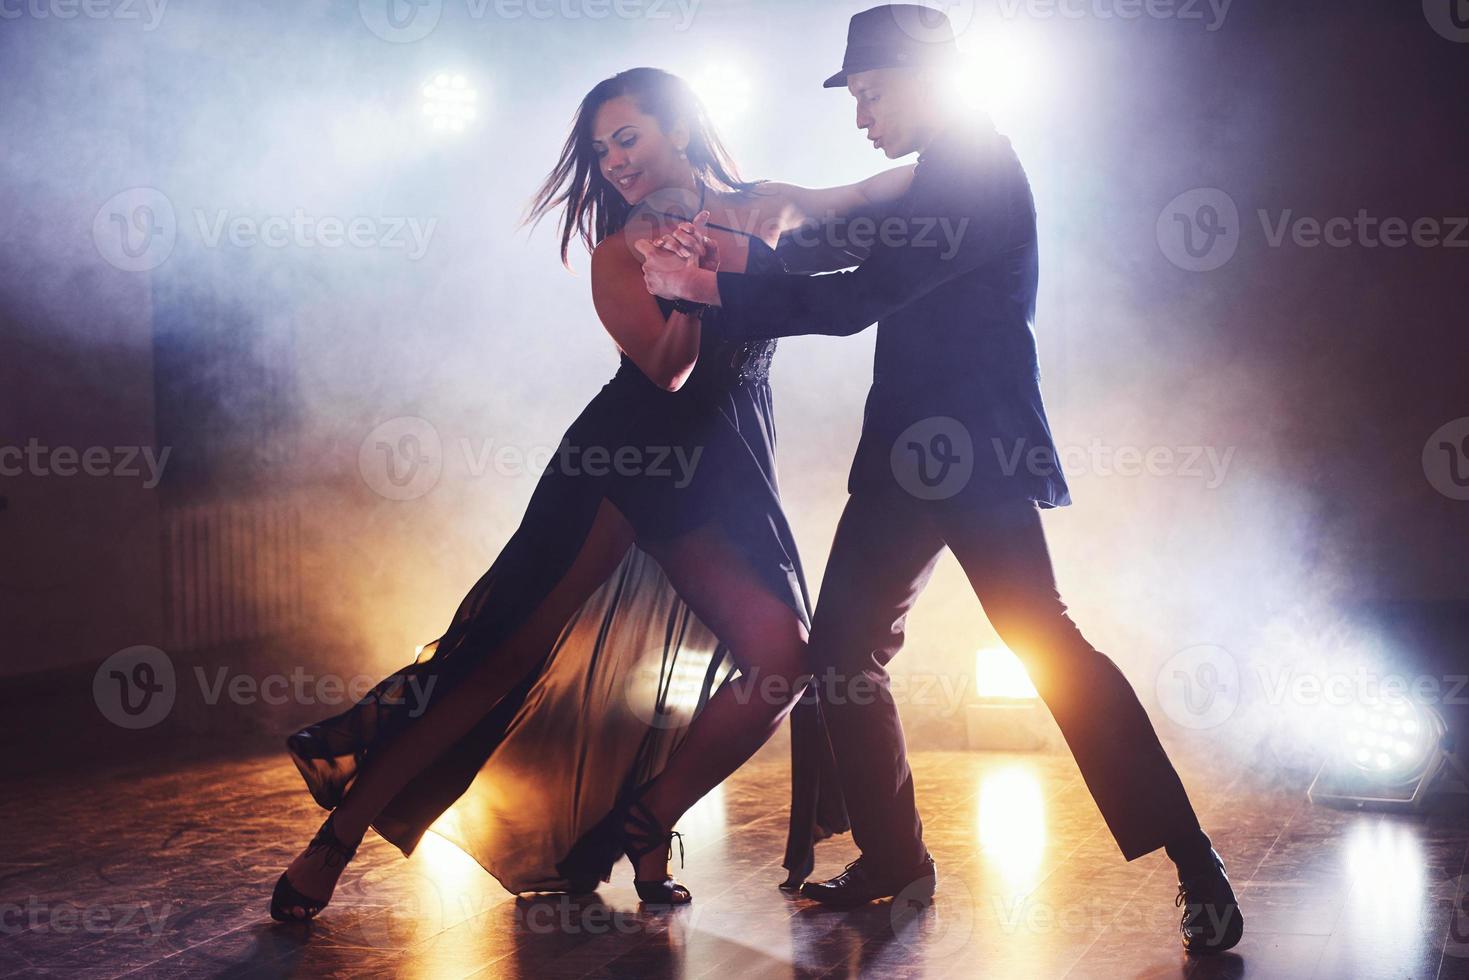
{"x": 859, "y": 885}
{"x": 1211, "y": 920}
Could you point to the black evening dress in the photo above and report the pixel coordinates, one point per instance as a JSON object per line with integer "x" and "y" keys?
{"x": 527, "y": 793}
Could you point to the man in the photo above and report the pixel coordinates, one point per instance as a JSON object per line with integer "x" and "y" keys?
{"x": 955, "y": 452}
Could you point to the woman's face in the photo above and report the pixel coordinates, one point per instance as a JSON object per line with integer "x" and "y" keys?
{"x": 634, "y": 153}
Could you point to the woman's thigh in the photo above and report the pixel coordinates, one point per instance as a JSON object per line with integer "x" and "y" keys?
{"x": 728, "y": 594}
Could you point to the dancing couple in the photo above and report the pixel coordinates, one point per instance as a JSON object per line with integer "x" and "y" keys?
{"x": 600, "y": 678}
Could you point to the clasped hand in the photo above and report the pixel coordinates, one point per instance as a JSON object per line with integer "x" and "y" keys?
{"x": 669, "y": 259}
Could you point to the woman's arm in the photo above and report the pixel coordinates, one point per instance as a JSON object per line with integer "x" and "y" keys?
{"x": 664, "y": 350}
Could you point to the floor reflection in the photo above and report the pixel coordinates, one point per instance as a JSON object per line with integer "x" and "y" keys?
{"x": 1031, "y": 885}
{"x": 1012, "y": 823}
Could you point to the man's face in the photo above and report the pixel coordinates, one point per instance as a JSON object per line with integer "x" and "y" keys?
{"x": 892, "y": 108}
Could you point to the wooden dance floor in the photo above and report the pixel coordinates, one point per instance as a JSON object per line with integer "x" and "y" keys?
{"x": 164, "y": 870}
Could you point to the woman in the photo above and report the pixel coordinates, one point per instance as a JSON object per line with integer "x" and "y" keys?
{"x": 551, "y": 709}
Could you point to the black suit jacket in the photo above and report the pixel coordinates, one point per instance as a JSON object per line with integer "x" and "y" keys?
{"x": 951, "y": 281}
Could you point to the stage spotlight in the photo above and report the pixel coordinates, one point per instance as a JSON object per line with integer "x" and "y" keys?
{"x": 1007, "y": 714}
{"x": 449, "y": 103}
{"x": 1390, "y": 753}
{"x": 725, "y": 92}
{"x": 1002, "y": 75}
{"x": 998, "y": 674}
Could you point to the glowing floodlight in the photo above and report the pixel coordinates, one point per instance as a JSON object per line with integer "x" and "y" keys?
{"x": 1007, "y": 714}
{"x": 725, "y": 92}
{"x": 449, "y": 103}
{"x": 1390, "y": 753}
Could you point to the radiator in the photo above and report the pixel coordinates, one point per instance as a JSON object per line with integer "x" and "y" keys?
{"x": 232, "y": 572}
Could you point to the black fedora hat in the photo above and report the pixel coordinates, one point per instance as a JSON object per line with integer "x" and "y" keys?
{"x": 896, "y": 35}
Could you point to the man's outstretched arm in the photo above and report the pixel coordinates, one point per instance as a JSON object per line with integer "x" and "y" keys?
{"x": 952, "y": 224}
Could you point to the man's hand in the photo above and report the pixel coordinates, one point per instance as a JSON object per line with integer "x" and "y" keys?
{"x": 664, "y": 272}
{"x": 680, "y": 268}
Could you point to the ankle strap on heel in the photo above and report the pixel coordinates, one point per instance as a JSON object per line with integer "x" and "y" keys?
{"x": 643, "y": 833}
{"x": 338, "y": 854}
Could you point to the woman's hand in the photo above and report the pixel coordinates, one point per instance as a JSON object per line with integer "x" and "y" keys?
{"x": 665, "y": 273}
{"x": 690, "y": 239}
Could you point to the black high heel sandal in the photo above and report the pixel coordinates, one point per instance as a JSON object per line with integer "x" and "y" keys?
{"x": 286, "y": 896}
{"x": 313, "y": 757}
{"x": 642, "y": 834}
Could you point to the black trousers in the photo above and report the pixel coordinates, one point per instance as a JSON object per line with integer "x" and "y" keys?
{"x": 887, "y": 544}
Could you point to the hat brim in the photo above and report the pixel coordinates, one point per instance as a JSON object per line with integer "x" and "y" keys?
{"x": 938, "y": 59}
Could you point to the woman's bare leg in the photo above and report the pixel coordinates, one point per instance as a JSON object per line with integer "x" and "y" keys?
{"x": 768, "y": 643}
{"x": 457, "y": 712}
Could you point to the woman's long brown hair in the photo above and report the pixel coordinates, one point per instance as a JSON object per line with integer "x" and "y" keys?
{"x": 594, "y": 207}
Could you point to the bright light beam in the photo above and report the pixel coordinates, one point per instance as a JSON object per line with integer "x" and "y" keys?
{"x": 725, "y": 91}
